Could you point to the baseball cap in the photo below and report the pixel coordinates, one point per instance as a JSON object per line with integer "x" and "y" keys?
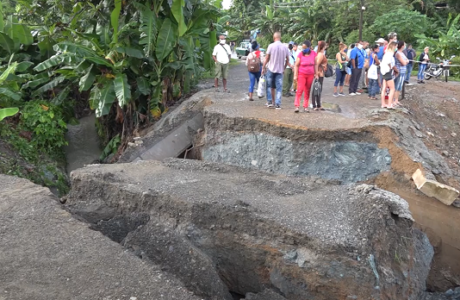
{"x": 291, "y": 43}
{"x": 380, "y": 40}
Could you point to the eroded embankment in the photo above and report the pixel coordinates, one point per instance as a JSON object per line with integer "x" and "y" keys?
{"x": 223, "y": 229}
{"x": 385, "y": 153}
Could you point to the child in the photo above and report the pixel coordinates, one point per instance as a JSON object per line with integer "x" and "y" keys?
{"x": 372, "y": 73}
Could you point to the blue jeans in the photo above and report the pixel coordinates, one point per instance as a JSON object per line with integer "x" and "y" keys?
{"x": 339, "y": 77}
{"x": 253, "y": 78}
{"x": 274, "y": 80}
{"x": 373, "y": 87}
{"x": 409, "y": 70}
{"x": 421, "y": 69}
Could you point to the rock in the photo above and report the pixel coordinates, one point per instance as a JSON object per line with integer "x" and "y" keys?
{"x": 456, "y": 203}
{"x": 453, "y": 134}
{"x": 429, "y": 133}
{"x": 432, "y": 188}
{"x": 212, "y": 223}
{"x": 445, "y": 153}
{"x": 45, "y": 254}
{"x": 264, "y": 295}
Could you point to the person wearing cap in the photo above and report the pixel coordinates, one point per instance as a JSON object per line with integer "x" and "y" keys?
{"x": 289, "y": 72}
{"x": 381, "y": 42}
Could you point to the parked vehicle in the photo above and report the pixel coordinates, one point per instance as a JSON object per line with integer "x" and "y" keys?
{"x": 244, "y": 49}
{"x": 436, "y": 70}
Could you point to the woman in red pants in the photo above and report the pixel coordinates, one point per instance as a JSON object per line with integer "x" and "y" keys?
{"x": 304, "y": 74}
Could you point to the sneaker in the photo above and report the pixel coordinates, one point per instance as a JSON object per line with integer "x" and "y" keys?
{"x": 277, "y": 107}
{"x": 352, "y": 94}
{"x": 268, "y": 104}
{"x": 306, "y": 110}
{"x": 358, "y": 93}
{"x": 406, "y": 82}
{"x": 342, "y": 94}
{"x": 335, "y": 95}
{"x": 296, "y": 110}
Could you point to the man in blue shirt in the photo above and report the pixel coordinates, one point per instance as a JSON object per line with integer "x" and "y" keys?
{"x": 357, "y": 64}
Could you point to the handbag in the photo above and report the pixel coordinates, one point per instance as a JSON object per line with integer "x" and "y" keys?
{"x": 261, "y": 87}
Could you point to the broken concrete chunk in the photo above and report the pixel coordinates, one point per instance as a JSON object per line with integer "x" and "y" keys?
{"x": 444, "y": 193}
{"x": 296, "y": 237}
{"x": 46, "y": 254}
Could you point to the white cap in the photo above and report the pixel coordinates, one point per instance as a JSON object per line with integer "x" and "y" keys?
{"x": 380, "y": 40}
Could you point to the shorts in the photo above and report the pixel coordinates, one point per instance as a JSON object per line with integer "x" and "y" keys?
{"x": 388, "y": 76}
{"x": 221, "y": 71}
{"x": 399, "y": 81}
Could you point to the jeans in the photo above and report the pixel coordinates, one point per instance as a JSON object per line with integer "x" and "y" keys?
{"x": 339, "y": 77}
{"x": 253, "y": 79}
{"x": 409, "y": 70}
{"x": 274, "y": 80}
{"x": 288, "y": 78}
{"x": 354, "y": 80}
{"x": 304, "y": 83}
{"x": 317, "y": 98}
{"x": 373, "y": 87}
{"x": 421, "y": 69}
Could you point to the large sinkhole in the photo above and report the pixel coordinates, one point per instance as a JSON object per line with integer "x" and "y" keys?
{"x": 345, "y": 161}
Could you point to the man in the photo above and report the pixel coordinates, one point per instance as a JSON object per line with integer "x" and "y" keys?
{"x": 275, "y": 63}
{"x": 289, "y": 72}
{"x": 362, "y": 80}
{"x": 410, "y": 54}
{"x": 357, "y": 64}
{"x": 221, "y": 55}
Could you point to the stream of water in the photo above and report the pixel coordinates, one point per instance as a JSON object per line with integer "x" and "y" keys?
{"x": 84, "y": 145}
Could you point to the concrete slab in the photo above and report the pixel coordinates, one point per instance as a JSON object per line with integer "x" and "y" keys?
{"x": 45, "y": 254}
{"x": 444, "y": 193}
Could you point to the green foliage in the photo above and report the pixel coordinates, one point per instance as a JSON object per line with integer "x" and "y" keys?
{"x": 448, "y": 41}
{"x": 111, "y": 148}
{"x": 405, "y": 22}
{"x": 8, "y": 112}
{"x": 46, "y": 123}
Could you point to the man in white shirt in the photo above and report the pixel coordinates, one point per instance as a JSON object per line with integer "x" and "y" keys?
{"x": 221, "y": 55}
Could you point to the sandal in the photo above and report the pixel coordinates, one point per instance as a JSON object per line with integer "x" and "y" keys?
{"x": 306, "y": 110}
{"x": 250, "y": 99}
{"x": 315, "y": 109}
{"x": 226, "y": 91}
{"x": 217, "y": 90}
{"x": 321, "y": 108}
{"x": 296, "y": 110}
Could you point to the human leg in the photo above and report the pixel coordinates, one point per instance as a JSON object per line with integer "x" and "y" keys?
{"x": 342, "y": 81}
{"x": 224, "y": 75}
{"x": 391, "y": 86}
{"x": 421, "y": 69}
{"x": 354, "y": 73}
{"x": 384, "y": 87}
{"x": 268, "y": 86}
{"x": 318, "y": 97}
{"x": 217, "y": 74}
{"x": 306, "y": 95}
{"x": 399, "y": 81}
{"x": 301, "y": 84}
{"x": 252, "y": 82}
{"x": 409, "y": 71}
{"x": 287, "y": 81}
{"x": 278, "y": 88}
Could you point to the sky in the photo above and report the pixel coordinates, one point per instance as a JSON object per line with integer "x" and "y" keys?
{"x": 226, "y": 4}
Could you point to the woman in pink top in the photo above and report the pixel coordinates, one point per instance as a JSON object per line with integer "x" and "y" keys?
{"x": 304, "y": 74}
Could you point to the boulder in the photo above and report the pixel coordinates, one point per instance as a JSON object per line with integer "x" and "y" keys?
{"x": 45, "y": 253}
{"x": 432, "y": 188}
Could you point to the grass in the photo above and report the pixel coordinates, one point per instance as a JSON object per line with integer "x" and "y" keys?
{"x": 210, "y": 74}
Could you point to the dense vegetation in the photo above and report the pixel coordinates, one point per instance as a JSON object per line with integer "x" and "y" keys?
{"x": 420, "y": 22}
{"x": 125, "y": 60}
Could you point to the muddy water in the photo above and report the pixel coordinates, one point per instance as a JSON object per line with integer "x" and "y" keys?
{"x": 441, "y": 223}
{"x": 84, "y": 145}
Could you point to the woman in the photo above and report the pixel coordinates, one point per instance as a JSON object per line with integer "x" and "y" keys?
{"x": 348, "y": 76}
{"x": 401, "y": 63}
{"x": 425, "y": 59}
{"x": 304, "y": 74}
{"x": 372, "y": 73}
{"x": 320, "y": 69}
{"x": 254, "y": 77}
{"x": 387, "y": 69}
{"x": 340, "y": 70}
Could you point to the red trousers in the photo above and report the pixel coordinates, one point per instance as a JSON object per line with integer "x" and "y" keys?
{"x": 304, "y": 83}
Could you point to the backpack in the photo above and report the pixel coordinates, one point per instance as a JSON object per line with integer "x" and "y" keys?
{"x": 329, "y": 72}
{"x": 254, "y": 63}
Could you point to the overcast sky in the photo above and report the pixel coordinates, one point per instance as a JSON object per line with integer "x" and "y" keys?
{"x": 226, "y": 4}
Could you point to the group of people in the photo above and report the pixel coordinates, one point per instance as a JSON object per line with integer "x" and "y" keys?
{"x": 381, "y": 68}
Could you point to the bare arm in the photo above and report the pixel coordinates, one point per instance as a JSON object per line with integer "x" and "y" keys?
{"x": 339, "y": 58}
{"x": 214, "y": 57}
{"x": 317, "y": 60}
{"x": 401, "y": 60}
{"x": 267, "y": 59}
{"x": 296, "y": 68}
{"x": 376, "y": 60}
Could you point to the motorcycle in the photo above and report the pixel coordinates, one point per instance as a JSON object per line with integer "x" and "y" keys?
{"x": 436, "y": 70}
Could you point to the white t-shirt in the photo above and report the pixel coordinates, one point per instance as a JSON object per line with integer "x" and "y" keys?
{"x": 220, "y": 53}
{"x": 388, "y": 62}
